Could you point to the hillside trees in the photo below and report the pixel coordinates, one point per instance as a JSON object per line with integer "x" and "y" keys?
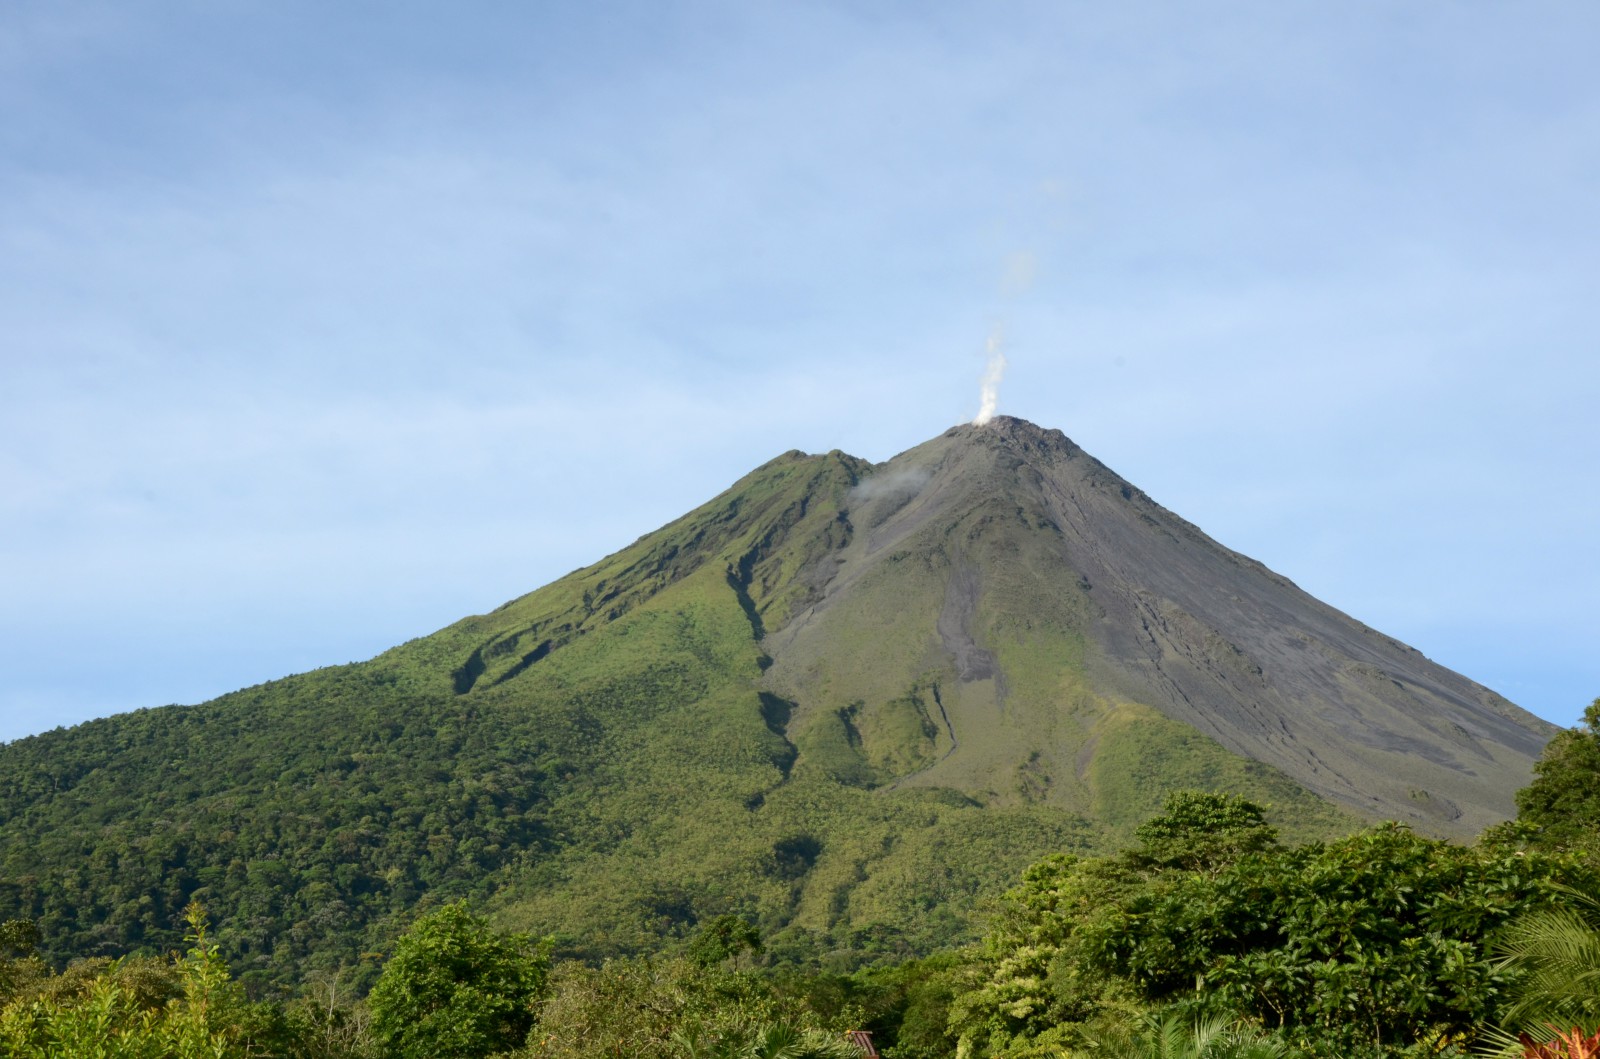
{"x": 309, "y": 816}
{"x": 20, "y": 964}
{"x": 724, "y": 938}
{"x": 1206, "y": 939}
{"x": 681, "y": 1008}
{"x": 653, "y": 1008}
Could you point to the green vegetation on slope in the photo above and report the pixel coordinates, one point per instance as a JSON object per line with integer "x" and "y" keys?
{"x": 301, "y": 812}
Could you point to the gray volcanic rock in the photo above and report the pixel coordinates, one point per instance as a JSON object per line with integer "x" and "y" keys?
{"x": 1025, "y": 574}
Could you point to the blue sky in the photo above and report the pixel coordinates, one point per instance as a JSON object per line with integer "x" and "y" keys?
{"x": 325, "y": 325}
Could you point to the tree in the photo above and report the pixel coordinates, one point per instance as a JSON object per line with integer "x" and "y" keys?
{"x": 1203, "y": 832}
{"x": 1032, "y": 987}
{"x": 457, "y": 989}
{"x": 723, "y": 939}
{"x": 1564, "y": 798}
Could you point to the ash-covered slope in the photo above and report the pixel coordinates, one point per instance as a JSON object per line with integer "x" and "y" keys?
{"x": 1034, "y": 594}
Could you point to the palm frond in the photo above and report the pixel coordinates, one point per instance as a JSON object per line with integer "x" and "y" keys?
{"x": 1557, "y": 952}
{"x": 1172, "y": 1036}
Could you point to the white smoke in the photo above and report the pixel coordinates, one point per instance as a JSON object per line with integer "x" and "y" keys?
{"x": 896, "y": 485}
{"x": 991, "y": 378}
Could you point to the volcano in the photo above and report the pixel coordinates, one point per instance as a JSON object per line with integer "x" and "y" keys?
{"x": 846, "y": 700}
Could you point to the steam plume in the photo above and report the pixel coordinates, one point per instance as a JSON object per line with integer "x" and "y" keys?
{"x": 991, "y": 378}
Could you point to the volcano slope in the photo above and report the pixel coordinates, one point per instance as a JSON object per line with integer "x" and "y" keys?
{"x": 844, "y": 700}
{"x": 1067, "y": 600}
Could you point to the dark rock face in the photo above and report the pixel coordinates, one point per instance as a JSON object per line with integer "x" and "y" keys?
{"x": 1014, "y": 534}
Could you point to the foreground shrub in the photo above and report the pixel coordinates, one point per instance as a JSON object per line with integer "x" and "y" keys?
{"x": 457, "y": 989}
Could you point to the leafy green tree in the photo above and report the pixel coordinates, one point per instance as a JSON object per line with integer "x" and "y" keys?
{"x": 723, "y": 939}
{"x": 1033, "y": 987}
{"x": 1564, "y": 798}
{"x": 1365, "y": 947}
{"x": 1201, "y": 832}
{"x": 457, "y": 989}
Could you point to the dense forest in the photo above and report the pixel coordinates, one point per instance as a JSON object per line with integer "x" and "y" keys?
{"x": 1207, "y": 936}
